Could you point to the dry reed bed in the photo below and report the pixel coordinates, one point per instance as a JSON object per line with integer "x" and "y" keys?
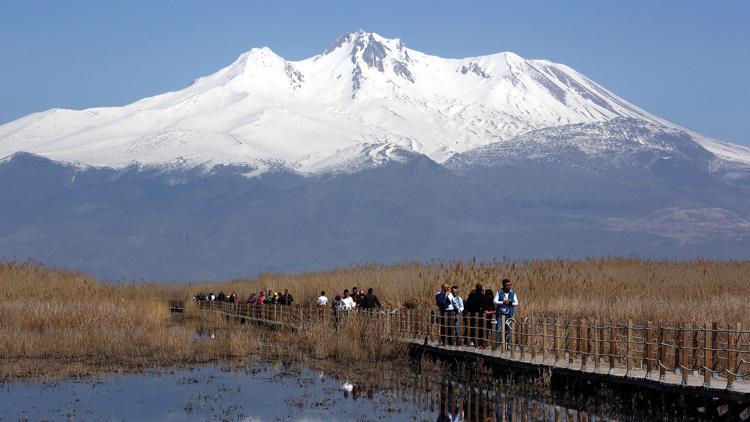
{"x": 52, "y": 315}
{"x": 61, "y": 319}
{"x": 613, "y": 289}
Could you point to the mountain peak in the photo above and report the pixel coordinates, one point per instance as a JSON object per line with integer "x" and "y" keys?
{"x": 365, "y": 89}
{"x": 372, "y": 48}
{"x": 361, "y": 38}
{"x": 371, "y": 52}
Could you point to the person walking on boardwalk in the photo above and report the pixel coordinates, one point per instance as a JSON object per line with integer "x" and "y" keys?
{"x": 347, "y": 303}
{"x": 474, "y": 314}
{"x": 445, "y": 311}
{"x": 458, "y": 308}
{"x": 286, "y": 298}
{"x": 506, "y": 301}
{"x": 337, "y": 307}
{"x": 322, "y": 301}
{"x": 320, "y": 304}
{"x": 370, "y": 301}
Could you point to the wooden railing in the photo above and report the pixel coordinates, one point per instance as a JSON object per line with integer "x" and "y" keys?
{"x": 709, "y": 355}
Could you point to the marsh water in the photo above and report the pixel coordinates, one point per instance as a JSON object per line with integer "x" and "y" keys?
{"x": 260, "y": 388}
{"x": 265, "y": 391}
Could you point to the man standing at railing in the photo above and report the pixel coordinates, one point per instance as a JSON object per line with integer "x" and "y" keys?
{"x": 506, "y": 301}
{"x": 445, "y": 311}
{"x": 286, "y": 298}
{"x": 370, "y": 301}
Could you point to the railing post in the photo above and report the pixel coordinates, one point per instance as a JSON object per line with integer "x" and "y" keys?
{"x": 685, "y": 355}
{"x": 649, "y": 348}
{"x": 583, "y": 342}
{"x": 597, "y": 345}
{"x": 544, "y": 340}
{"x": 388, "y": 324}
{"x": 602, "y": 341}
{"x": 662, "y": 354}
{"x": 574, "y": 350}
{"x": 533, "y": 340}
{"x": 714, "y": 345}
{"x": 707, "y": 355}
{"x": 695, "y": 349}
{"x": 730, "y": 357}
{"x": 413, "y": 323}
{"x": 522, "y": 335}
{"x": 678, "y": 348}
{"x": 628, "y": 347}
{"x": 612, "y": 346}
{"x": 429, "y": 331}
{"x": 501, "y": 328}
{"x": 514, "y": 338}
{"x": 407, "y": 323}
{"x": 558, "y": 346}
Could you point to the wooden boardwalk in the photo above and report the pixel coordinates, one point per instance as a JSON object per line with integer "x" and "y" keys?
{"x": 708, "y": 360}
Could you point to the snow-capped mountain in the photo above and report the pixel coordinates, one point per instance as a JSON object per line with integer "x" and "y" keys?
{"x": 368, "y": 151}
{"x": 330, "y": 112}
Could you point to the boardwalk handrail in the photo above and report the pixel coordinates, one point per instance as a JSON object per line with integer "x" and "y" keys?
{"x": 708, "y": 355}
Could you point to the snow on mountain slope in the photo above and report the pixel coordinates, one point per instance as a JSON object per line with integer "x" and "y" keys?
{"x": 354, "y": 104}
{"x": 614, "y": 141}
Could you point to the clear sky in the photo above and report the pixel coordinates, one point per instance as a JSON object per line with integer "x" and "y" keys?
{"x": 686, "y": 61}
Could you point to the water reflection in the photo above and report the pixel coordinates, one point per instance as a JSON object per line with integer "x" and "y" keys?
{"x": 203, "y": 333}
{"x": 268, "y": 391}
{"x": 458, "y": 403}
{"x": 452, "y": 401}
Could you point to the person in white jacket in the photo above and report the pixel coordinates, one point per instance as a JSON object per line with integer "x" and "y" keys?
{"x": 347, "y": 303}
{"x": 458, "y": 307}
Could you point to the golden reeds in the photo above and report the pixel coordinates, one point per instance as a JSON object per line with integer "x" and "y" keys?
{"x": 616, "y": 289}
{"x": 52, "y": 315}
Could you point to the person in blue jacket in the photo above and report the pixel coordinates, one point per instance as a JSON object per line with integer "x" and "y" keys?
{"x": 506, "y": 301}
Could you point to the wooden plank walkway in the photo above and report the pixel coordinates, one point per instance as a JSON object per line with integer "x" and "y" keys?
{"x": 710, "y": 359}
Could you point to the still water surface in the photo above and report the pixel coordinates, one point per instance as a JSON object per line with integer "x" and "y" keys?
{"x": 265, "y": 392}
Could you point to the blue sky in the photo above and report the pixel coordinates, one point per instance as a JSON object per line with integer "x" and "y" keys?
{"x": 687, "y": 61}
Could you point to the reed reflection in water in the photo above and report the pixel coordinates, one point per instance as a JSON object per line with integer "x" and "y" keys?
{"x": 452, "y": 401}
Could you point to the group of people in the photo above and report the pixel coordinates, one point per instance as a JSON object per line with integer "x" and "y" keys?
{"x": 265, "y": 297}
{"x": 461, "y": 322}
{"x": 345, "y": 301}
{"x": 484, "y": 309}
{"x": 357, "y": 299}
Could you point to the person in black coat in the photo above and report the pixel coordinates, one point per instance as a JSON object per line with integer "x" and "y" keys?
{"x": 474, "y": 308}
{"x": 286, "y": 298}
{"x": 370, "y": 301}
